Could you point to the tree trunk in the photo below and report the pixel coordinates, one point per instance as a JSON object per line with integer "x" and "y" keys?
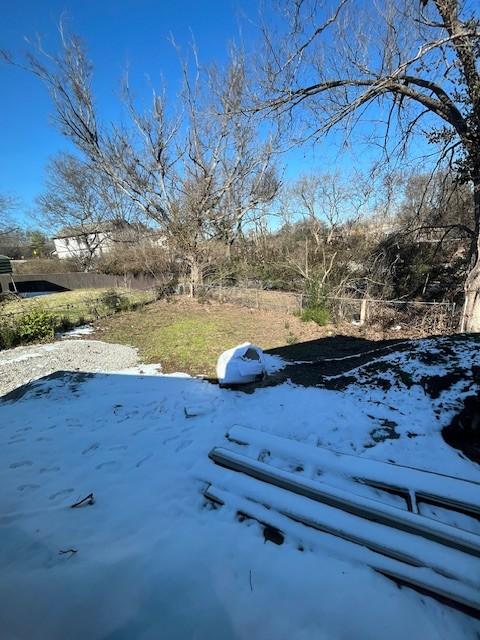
{"x": 196, "y": 277}
{"x": 470, "y": 322}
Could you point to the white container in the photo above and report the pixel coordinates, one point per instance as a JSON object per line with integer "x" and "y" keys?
{"x": 241, "y": 365}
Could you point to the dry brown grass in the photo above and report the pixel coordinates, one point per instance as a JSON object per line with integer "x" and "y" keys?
{"x": 185, "y": 335}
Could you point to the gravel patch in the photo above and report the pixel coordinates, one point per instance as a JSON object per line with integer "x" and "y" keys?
{"x": 19, "y": 366}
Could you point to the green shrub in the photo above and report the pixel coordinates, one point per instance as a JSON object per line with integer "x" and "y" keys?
{"x": 316, "y": 309}
{"x": 291, "y": 338}
{"x": 8, "y": 334}
{"x": 115, "y": 301}
{"x": 318, "y": 314}
{"x": 111, "y": 299}
{"x": 35, "y": 325}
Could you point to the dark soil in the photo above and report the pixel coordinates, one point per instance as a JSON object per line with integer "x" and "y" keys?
{"x": 385, "y": 432}
{"x": 327, "y": 363}
{"x": 434, "y": 385}
{"x": 316, "y": 362}
{"x": 463, "y": 432}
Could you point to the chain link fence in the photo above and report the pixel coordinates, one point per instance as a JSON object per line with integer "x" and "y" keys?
{"x": 251, "y": 298}
{"x": 427, "y": 317}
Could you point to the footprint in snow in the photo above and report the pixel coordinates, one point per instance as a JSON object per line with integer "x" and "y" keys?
{"x": 60, "y": 494}
{"x": 118, "y": 447}
{"x": 183, "y": 445}
{"x": 17, "y": 440}
{"x": 140, "y": 462}
{"x": 91, "y": 449}
{"x": 28, "y": 487}
{"x": 163, "y": 427}
{"x": 22, "y": 463}
{"x": 109, "y": 463}
{"x": 49, "y": 469}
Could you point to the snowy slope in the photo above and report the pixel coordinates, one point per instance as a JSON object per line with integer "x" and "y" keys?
{"x": 152, "y": 560}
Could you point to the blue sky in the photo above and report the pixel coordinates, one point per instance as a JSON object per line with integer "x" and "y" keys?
{"x": 117, "y": 33}
{"x": 120, "y": 34}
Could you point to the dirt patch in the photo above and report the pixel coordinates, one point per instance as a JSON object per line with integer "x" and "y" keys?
{"x": 324, "y": 362}
{"x": 435, "y": 385}
{"x": 330, "y": 361}
{"x": 386, "y": 431}
{"x": 186, "y": 335}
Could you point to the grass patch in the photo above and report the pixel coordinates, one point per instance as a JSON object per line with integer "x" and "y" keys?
{"x": 187, "y": 336}
{"x": 24, "y": 321}
{"x": 318, "y": 314}
{"x": 82, "y": 304}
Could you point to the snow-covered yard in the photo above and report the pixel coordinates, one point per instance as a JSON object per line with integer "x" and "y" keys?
{"x": 152, "y": 559}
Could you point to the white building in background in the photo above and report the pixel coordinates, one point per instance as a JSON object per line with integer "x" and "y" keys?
{"x": 96, "y": 240}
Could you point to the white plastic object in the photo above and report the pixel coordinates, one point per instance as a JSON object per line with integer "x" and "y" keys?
{"x": 242, "y": 364}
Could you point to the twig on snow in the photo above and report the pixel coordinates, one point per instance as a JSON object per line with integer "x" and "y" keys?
{"x": 90, "y": 499}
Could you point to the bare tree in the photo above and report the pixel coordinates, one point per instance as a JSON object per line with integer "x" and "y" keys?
{"x": 80, "y": 203}
{"x": 199, "y": 170}
{"x": 227, "y": 172}
{"x": 326, "y": 202}
{"x": 324, "y": 208}
{"x": 408, "y": 66}
{"x": 7, "y": 206}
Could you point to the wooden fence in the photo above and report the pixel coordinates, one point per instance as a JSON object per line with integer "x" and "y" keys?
{"x": 72, "y": 281}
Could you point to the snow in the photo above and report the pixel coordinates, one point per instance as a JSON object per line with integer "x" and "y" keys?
{"x": 273, "y": 363}
{"x": 330, "y": 463}
{"x": 76, "y": 332}
{"x": 153, "y": 559}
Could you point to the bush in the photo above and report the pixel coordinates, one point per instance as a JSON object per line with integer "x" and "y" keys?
{"x": 318, "y": 314}
{"x": 45, "y": 265}
{"x": 35, "y": 325}
{"x": 165, "y": 290}
{"x": 114, "y": 301}
{"x": 316, "y": 309}
{"x": 8, "y": 334}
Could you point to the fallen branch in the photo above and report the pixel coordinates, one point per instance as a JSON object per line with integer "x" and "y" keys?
{"x": 87, "y": 500}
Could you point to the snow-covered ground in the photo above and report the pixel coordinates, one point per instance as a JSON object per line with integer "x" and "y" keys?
{"x": 76, "y": 332}
{"x": 151, "y": 559}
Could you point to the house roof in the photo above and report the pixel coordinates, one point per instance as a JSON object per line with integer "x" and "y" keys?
{"x": 109, "y": 226}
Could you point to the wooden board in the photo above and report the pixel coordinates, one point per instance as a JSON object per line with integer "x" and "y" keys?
{"x": 358, "y": 505}
{"x": 384, "y": 560}
{"x": 425, "y": 486}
